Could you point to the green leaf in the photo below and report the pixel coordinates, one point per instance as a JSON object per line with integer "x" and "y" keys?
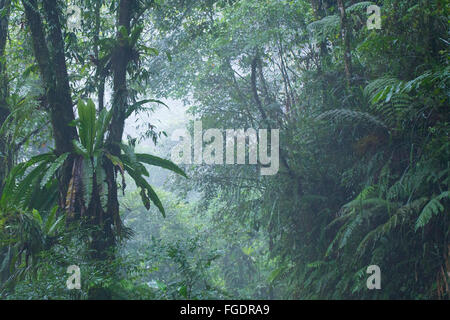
{"x": 80, "y": 149}
{"x": 50, "y": 220}
{"x": 433, "y": 207}
{"x": 155, "y": 199}
{"x": 59, "y": 222}
{"x": 104, "y": 119}
{"x": 22, "y": 193}
{"x": 274, "y": 274}
{"x": 135, "y": 34}
{"x": 160, "y": 162}
{"x": 53, "y": 168}
{"x": 136, "y": 106}
{"x": 169, "y": 56}
{"x": 37, "y": 216}
{"x": 123, "y": 30}
{"x": 88, "y": 181}
{"x": 183, "y": 291}
{"x": 34, "y": 68}
{"x": 315, "y": 264}
{"x": 87, "y": 125}
{"x": 115, "y": 161}
{"x": 143, "y": 184}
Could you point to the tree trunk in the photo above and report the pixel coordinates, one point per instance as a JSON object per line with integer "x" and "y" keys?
{"x": 5, "y": 152}
{"x": 120, "y": 59}
{"x": 100, "y": 74}
{"x": 320, "y": 12}
{"x": 51, "y": 61}
{"x": 346, "y": 43}
{"x": 52, "y": 66}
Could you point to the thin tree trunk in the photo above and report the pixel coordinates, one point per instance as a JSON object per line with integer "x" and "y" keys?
{"x": 101, "y": 93}
{"x": 100, "y": 74}
{"x": 266, "y": 120}
{"x": 5, "y": 152}
{"x": 319, "y": 13}
{"x": 121, "y": 58}
{"x": 5, "y": 6}
{"x": 346, "y": 43}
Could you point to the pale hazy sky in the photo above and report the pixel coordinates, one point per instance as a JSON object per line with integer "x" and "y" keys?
{"x": 175, "y": 117}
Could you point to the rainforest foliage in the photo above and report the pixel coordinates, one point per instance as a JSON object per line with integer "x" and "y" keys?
{"x": 363, "y": 114}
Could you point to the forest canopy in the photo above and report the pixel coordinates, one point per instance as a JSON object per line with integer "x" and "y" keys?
{"x": 320, "y": 149}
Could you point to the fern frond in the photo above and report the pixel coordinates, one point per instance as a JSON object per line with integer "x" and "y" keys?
{"x": 434, "y": 207}
{"x": 325, "y": 27}
{"x": 347, "y": 115}
{"x": 359, "y": 7}
{"x": 401, "y": 216}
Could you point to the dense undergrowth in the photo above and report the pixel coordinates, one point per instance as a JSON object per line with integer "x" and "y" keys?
{"x": 364, "y": 153}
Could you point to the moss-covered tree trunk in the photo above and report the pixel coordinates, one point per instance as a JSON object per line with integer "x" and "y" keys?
{"x": 50, "y": 57}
